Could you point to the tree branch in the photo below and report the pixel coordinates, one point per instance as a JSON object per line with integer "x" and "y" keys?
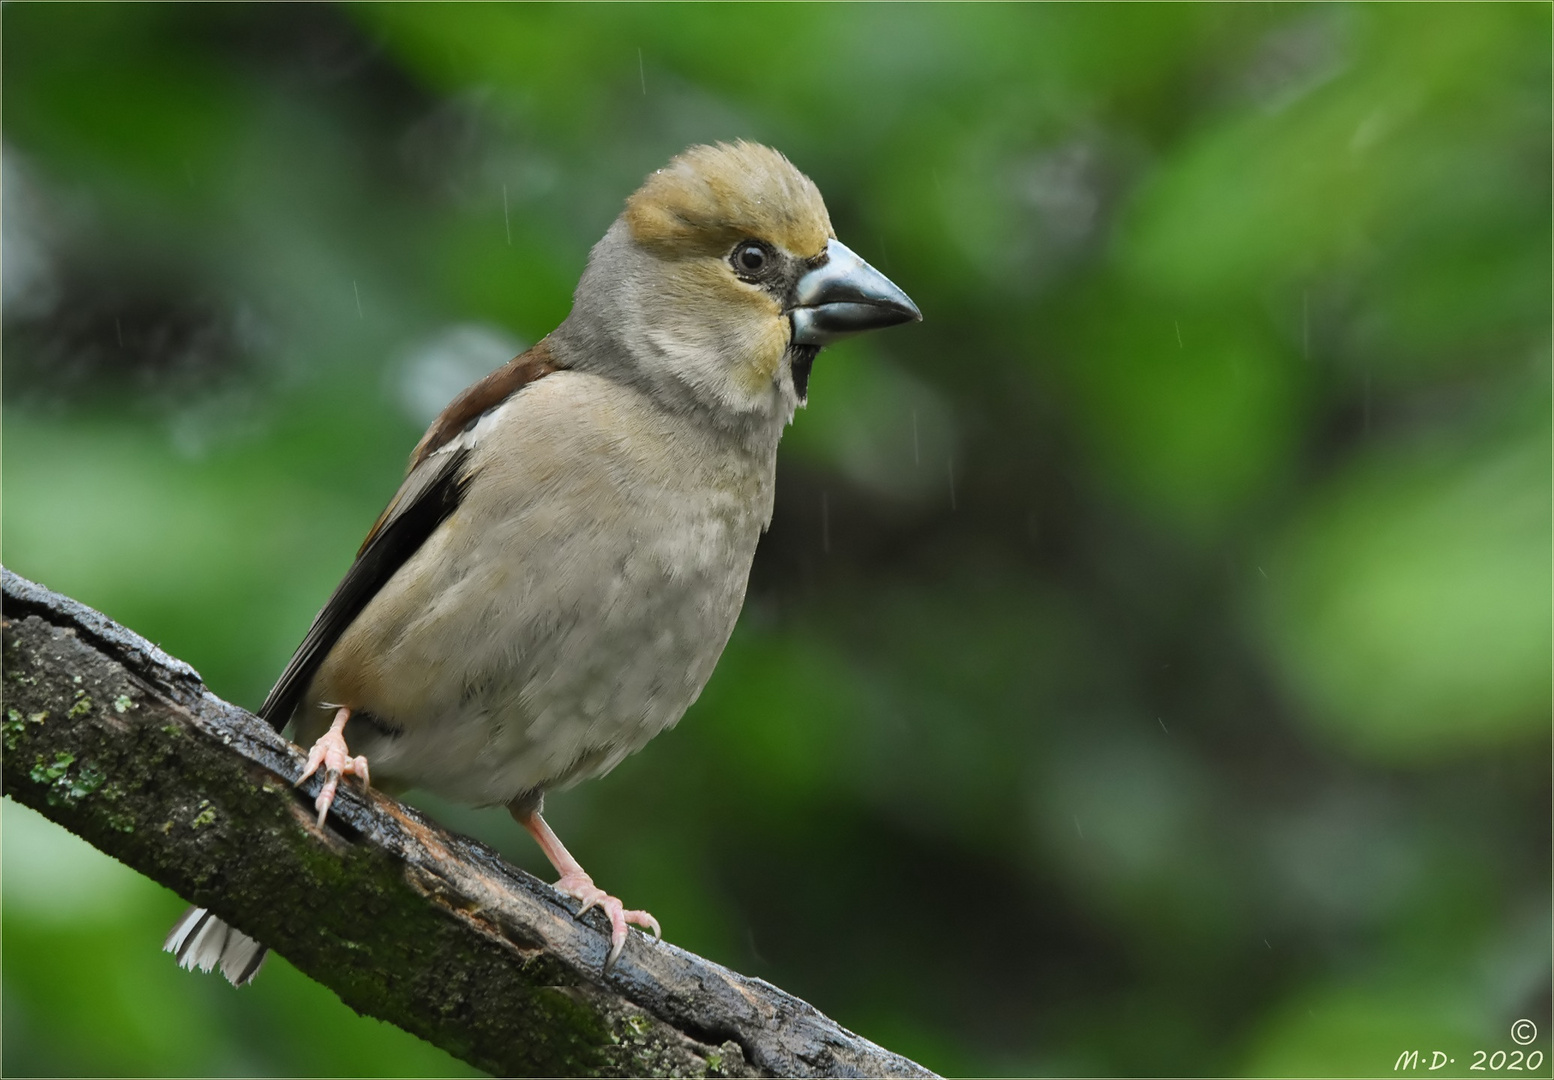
{"x": 122, "y": 744}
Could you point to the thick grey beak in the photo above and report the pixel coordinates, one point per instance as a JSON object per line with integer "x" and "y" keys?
{"x": 846, "y": 296}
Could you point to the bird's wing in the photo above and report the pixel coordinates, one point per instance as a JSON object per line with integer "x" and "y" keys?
{"x": 481, "y": 397}
{"x": 439, "y": 475}
{"x": 424, "y": 501}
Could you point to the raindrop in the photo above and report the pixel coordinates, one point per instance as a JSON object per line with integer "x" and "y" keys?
{"x": 1305, "y": 325}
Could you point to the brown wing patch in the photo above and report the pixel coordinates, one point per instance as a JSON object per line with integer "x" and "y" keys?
{"x": 709, "y": 197}
{"x": 472, "y": 403}
{"x": 484, "y": 395}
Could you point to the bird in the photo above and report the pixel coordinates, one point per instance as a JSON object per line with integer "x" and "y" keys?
{"x": 556, "y": 577}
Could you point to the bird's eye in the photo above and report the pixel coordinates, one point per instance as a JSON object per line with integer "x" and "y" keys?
{"x": 750, "y": 259}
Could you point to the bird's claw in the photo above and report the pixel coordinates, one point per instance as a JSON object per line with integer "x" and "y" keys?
{"x": 581, "y": 888}
{"x": 331, "y": 752}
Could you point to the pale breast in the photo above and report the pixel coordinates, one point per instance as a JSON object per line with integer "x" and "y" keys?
{"x": 570, "y": 609}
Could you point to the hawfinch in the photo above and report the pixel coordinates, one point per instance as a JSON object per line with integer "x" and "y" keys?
{"x": 562, "y": 566}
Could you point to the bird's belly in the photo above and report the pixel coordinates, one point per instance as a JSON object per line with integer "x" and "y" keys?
{"x": 539, "y": 668}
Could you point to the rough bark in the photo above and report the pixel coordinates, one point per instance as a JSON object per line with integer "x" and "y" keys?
{"x": 123, "y": 745}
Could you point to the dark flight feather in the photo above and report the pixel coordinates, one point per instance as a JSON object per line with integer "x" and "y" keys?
{"x": 435, "y": 486}
{"x": 428, "y": 497}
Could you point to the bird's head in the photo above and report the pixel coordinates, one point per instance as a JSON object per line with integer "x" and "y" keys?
{"x": 720, "y": 282}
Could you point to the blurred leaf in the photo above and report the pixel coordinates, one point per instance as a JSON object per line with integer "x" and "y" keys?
{"x": 1411, "y": 137}
{"x": 875, "y": 425}
{"x": 1362, "y": 1030}
{"x": 1188, "y": 413}
{"x": 1409, "y": 609}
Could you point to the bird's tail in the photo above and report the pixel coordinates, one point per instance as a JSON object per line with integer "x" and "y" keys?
{"x": 200, "y": 940}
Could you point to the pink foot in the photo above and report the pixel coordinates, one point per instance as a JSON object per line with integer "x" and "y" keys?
{"x": 581, "y": 887}
{"x": 331, "y": 752}
{"x": 576, "y": 883}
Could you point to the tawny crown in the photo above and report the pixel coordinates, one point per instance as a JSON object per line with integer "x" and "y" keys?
{"x": 710, "y": 197}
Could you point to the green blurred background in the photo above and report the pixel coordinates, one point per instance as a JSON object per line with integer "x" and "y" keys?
{"x": 1148, "y": 667}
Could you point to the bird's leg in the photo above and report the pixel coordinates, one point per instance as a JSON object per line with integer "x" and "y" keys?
{"x": 331, "y": 752}
{"x": 576, "y": 883}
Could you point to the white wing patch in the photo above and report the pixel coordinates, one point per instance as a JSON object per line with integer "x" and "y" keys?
{"x": 472, "y": 436}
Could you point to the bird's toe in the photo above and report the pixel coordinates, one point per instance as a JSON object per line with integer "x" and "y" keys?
{"x": 581, "y": 888}
{"x": 331, "y": 753}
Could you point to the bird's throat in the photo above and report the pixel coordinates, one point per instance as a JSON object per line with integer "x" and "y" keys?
{"x": 803, "y": 359}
